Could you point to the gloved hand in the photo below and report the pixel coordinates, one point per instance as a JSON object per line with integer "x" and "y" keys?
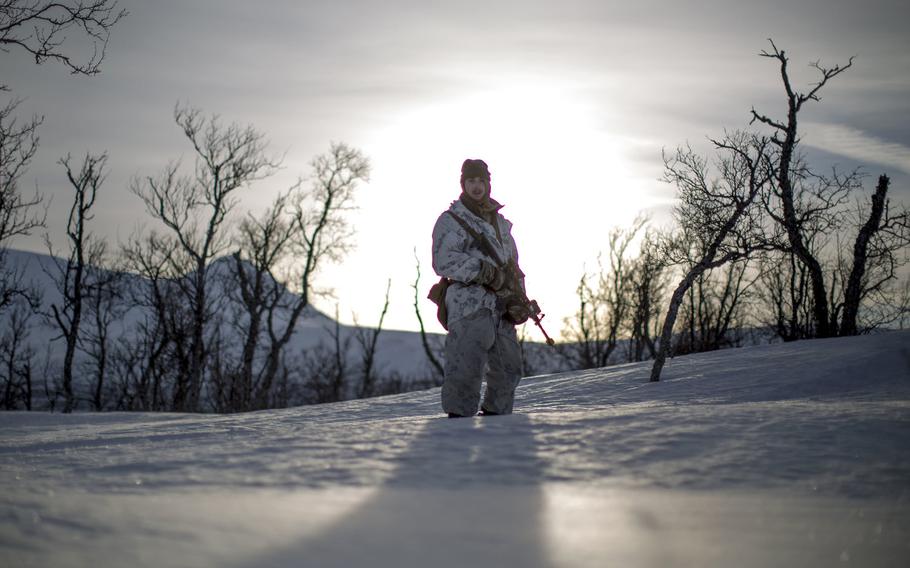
{"x": 517, "y": 312}
{"x": 491, "y": 276}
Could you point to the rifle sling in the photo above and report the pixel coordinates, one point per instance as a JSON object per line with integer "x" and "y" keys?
{"x": 488, "y": 249}
{"x": 480, "y": 239}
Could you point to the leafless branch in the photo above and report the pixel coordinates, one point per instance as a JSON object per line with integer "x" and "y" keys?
{"x": 41, "y": 28}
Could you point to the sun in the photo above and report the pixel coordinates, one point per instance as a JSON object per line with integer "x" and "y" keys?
{"x": 561, "y": 173}
{"x": 544, "y": 142}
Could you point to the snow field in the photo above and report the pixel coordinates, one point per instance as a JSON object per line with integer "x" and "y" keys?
{"x": 784, "y": 455}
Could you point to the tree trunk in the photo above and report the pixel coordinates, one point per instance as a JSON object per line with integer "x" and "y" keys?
{"x": 11, "y": 376}
{"x": 27, "y": 371}
{"x": 666, "y": 334}
{"x": 795, "y": 237}
{"x": 102, "y": 366}
{"x": 854, "y": 290}
{"x": 72, "y": 334}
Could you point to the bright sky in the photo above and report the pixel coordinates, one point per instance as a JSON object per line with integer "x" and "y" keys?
{"x": 569, "y": 102}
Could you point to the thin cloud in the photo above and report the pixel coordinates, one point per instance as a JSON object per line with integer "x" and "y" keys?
{"x": 857, "y": 145}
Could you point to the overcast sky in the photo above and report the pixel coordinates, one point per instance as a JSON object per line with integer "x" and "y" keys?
{"x": 570, "y": 102}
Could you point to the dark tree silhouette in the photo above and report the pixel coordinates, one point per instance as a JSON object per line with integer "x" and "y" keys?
{"x": 16, "y": 359}
{"x": 713, "y": 310}
{"x": 606, "y": 306}
{"x": 649, "y": 275}
{"x": 104, "y": 306}
{"x": 787, "y": 174}
{"x": 18, "y": 215}
{"x": 41, "y": 28}
{"x": 875, "y": 259}
{"x": 368, "y": 338}
{"x": 717, "y": 218}
{"x": 147, "y": 362}
{"x": 432, "y": 352}
{"x": 263, "y": 244}
{"x": 73, "y": 276}
{"x": 324, "y": 370}
{"x": 321, "y": 233}
{"x": 194, "y": 210}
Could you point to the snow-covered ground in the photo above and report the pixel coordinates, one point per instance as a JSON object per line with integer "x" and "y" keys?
{"x": 784, "y": 455}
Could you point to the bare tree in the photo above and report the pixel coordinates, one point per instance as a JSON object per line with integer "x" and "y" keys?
{"x": 195, "y": 209}
{"x": 811, "y": 209}
{"x": 718, "y": 222}
{"x": 787, "y": 183}
{"x": 875, "y": 262}
{"x": 279, "y": 251}
{"x": 319, "y": 214}
{"x": 862, "y": 272}
{"x": 41, "y": 28}
{"x": 16, "y": 358}
{"x": 432, "y": 352}
{"x": 339, "y": 370}
{"x": 104, "y": 306}
{"x": 307, "y": 222}
{"x": 586, "y": 345}
{"x": 324, "y": 368}
{"x": 648, "y": 285}
{"x": 321, "y": 234}
{"x": 900, "y": 307}
{"x": 18, "y": 216}
{"x": 713, "y": 310}
{"x": 150, "y": 362}
{"x": 783, "y": 294}
{"x": 606, "y": 307}
{"x": 263, "y": 244}
{"x": 316, "y": 376}
{"x": 72, "y": 276}
{"x": 367, "y": 339}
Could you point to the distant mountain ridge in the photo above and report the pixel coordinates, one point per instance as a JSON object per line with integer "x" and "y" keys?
{"x": 399, "y": 352}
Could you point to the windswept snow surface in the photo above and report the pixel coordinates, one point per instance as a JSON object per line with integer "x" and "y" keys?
{"x": 784, "y": 455}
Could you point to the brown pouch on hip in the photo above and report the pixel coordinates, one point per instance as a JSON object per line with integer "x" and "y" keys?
{"x": 437, "y": 295}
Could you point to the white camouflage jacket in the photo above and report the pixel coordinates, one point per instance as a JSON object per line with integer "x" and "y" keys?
{"x": 458, "y": 258}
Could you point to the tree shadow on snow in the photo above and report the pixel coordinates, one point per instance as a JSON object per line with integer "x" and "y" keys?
{"x": 466, "y": 491}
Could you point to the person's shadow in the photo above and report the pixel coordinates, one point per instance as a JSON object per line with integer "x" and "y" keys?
{"x": 467, "y": 491}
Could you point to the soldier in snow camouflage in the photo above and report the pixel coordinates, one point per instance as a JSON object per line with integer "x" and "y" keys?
{"x": 482, "y": 343}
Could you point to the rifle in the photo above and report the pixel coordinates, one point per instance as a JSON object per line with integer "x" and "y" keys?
{"x": 513, "y": 273}
{"x": 513, "y": 276}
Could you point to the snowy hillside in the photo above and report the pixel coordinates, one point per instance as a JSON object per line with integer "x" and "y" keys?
{"x": 785, "y": 455}
{"x": 398, "y": 353}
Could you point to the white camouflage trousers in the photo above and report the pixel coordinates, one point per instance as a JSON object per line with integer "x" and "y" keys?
{"x": 481, "y": 342}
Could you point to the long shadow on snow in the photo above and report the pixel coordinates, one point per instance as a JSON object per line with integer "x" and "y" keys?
{"x": 466, "y": 491}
